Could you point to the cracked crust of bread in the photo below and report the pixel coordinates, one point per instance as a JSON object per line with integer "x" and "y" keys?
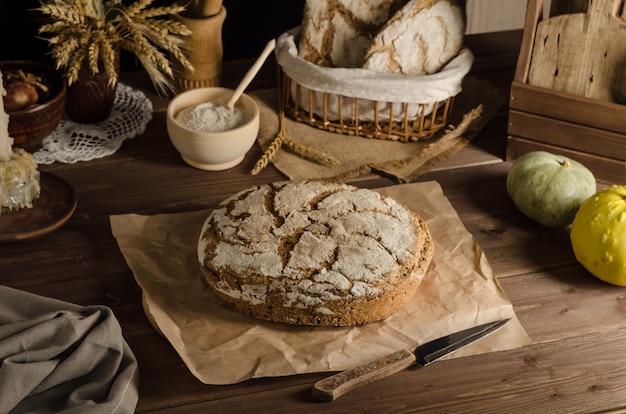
{"x": 337, "y": 33}
{"x": 309, "y": 253}
{"x": 420, "y": 39}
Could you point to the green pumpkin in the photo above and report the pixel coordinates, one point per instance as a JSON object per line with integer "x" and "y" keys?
{"x": 549, "y": 188}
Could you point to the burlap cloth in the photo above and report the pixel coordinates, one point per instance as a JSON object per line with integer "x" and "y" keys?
{"x": 473, "y": 108}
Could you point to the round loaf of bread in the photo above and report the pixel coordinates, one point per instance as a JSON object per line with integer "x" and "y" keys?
{"x": 420, "y": 39}
{"x": 337, "y": 33}
{"x": 312, "y": 253}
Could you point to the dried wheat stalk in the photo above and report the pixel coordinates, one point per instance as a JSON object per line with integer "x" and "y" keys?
{"x": 91, "y": 31}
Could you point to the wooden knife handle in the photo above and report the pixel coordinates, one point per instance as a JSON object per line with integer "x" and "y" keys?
{"x": 333, "y": 387}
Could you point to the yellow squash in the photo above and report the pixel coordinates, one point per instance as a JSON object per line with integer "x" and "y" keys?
{"x": 598, "y": 235}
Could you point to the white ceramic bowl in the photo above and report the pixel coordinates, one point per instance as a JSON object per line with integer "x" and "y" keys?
{"x": 212, "y": 151}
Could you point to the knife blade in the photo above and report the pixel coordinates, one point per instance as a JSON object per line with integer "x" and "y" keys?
{"x": 333, "y": 387}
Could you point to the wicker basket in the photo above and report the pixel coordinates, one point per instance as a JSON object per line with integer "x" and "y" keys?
{"x": 364, "y": 103}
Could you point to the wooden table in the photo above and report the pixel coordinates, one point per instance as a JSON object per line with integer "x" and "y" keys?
{"x": 578, "y": 323}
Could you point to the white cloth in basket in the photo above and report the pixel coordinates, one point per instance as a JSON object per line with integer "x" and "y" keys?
{"x": 367, "y": 85}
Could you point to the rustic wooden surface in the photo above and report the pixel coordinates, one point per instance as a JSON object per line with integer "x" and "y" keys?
{"x": 577, "y": 322}
{"x": 582, "y": 53}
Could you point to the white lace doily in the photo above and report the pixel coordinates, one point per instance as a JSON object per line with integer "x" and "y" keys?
{"x": 72, "y": 142}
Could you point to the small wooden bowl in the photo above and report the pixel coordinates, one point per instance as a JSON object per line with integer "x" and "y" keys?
{"x": 29, "y": 126}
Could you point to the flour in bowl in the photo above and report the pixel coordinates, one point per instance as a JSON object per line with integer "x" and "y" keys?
{"x": 212, "y": 117}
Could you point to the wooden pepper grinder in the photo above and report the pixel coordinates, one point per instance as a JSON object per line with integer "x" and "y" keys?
{"x": 204, "y": 48}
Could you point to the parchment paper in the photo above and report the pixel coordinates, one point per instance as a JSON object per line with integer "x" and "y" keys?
{"x": 221, "y": 346}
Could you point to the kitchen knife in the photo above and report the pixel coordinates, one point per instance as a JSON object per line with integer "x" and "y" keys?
{"x": 333, "y": 387}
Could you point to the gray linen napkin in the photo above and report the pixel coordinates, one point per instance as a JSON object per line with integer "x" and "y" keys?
{"x": 58, "y": 357}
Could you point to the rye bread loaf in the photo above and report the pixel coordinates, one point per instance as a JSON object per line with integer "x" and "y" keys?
{"x": 420, "y": 39}
{"x": 337, "y": 33}
{"x": 310, "y": 253}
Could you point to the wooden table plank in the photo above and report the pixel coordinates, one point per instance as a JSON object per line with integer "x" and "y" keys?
{"x": 553, "y": 377}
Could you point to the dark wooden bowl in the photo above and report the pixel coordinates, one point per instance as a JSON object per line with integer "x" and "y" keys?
{"x": 29, "y": 126}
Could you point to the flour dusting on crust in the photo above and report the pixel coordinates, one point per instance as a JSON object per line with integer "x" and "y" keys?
{"x": 314, "y": 253}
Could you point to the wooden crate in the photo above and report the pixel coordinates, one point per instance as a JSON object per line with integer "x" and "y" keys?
{"x": 590, "y": 131}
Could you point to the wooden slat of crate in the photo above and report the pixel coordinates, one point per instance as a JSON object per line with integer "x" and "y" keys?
{"x": 604, "y": 169}
{"x": 566, "y": 107}
{"x": 566, "y": 134}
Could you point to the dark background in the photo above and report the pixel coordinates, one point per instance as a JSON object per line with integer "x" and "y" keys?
{"x": 249, "y": 25}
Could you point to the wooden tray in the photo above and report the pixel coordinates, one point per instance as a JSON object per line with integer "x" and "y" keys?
{"x": 547, "y": 116}
{"x": 54, "y": 207}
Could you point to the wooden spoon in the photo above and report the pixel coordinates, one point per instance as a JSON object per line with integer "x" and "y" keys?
{"x": 251, "y": 74}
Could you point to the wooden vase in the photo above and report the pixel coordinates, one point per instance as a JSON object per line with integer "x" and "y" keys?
{"x": 205, "y": 51}
{"x": 90, "y": 98}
